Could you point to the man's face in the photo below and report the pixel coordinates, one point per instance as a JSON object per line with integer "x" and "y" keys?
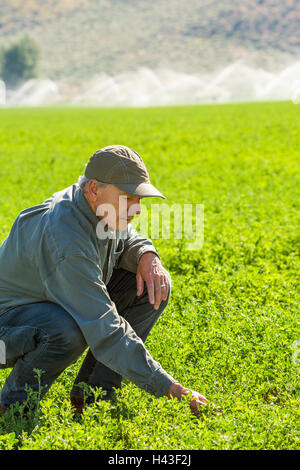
{"x": 114, "y": 206}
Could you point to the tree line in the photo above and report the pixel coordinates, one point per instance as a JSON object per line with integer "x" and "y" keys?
{"x": 19, "y": 61}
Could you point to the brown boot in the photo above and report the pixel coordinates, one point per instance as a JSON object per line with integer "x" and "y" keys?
{"x": 77, "y": 404}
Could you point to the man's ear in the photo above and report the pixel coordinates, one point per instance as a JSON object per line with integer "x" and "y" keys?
{"x": 93, "y": 190}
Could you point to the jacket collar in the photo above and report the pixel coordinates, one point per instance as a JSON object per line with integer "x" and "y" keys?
{"x": 93, "y": 220}
{"x": 84, "y": 207}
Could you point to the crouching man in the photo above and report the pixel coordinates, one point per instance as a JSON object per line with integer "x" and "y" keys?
{"x": 75, "y": 274}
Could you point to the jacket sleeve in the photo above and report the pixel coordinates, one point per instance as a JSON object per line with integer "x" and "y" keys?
{"x": 135, "y": 246}
{"x": 77, "y": 286}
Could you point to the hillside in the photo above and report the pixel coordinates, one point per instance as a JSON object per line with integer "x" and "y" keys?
{"x": 80, "y": 38}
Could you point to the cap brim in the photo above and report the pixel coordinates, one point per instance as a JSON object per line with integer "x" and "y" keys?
{"x": 140, "y": 190}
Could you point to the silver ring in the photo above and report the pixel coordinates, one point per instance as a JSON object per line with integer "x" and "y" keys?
{"x": 163, "y": 285}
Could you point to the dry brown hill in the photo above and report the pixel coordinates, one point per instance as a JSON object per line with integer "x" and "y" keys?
{"x": 79, "y": 38}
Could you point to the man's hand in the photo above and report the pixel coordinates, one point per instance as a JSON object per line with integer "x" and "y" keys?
{"x": 197, "y": 400}
{"x": 151, "y": 271}
{"x": 176, "y": 390}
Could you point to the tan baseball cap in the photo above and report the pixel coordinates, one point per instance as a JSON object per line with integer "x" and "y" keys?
{"x": 122, "y": 167}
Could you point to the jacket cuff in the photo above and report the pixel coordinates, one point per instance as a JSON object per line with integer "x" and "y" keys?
{"x": 160, "y": 383}
{"x": 143, "y": 250}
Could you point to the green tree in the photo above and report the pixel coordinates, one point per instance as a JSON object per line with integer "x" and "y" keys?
{"x": 20, "y": 61}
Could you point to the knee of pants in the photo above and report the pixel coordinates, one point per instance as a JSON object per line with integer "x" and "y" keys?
{"x": 42, "y": 330}
{"x": 70, "y": 340}
{"x": 62, "y": 334}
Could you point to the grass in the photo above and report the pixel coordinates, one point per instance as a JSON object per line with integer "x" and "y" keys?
{"x": 229, "y": 329}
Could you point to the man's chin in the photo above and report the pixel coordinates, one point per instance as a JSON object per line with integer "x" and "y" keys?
{"x": 122, "y": 226}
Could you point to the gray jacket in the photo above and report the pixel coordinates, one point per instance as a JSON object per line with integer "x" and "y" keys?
{"x": 53, "y": 254}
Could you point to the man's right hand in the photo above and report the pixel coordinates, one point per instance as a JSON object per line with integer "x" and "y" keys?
{"x": 177, "y": 390}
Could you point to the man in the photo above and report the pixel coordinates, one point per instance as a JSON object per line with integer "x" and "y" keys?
{"x": 75, "y": 274}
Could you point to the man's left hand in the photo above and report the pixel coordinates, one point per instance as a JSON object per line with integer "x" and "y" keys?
{"x": 151, "y": 271}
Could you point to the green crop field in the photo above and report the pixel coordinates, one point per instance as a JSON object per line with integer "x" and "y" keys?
{"x": 231, "y": 328}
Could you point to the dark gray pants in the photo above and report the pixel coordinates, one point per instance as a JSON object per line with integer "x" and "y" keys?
{"x": 44, "y": 336}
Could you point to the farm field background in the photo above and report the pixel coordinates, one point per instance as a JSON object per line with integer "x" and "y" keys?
{"x": 230, "y": 328}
